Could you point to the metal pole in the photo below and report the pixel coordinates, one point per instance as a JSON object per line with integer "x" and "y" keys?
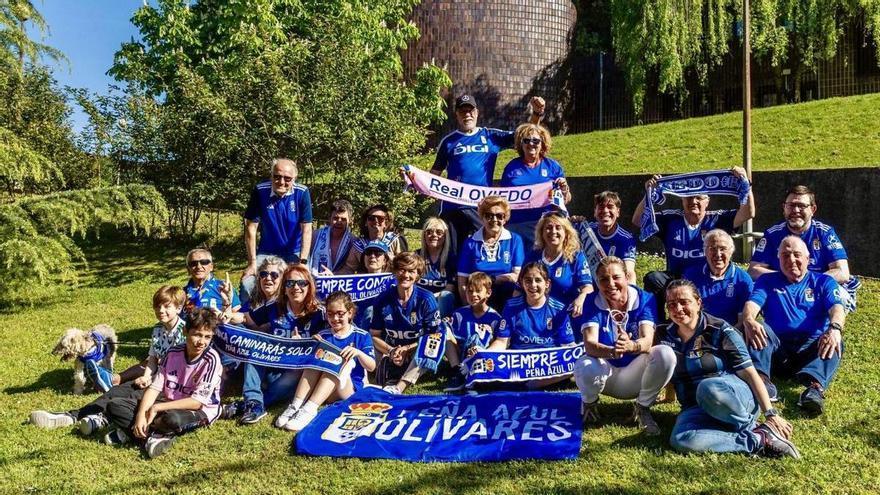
{"x": 747, "y": 120}
{"x": 601, "y": 87}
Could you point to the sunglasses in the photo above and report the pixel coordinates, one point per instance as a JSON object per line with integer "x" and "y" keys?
{"x": 494, "y": 216}
{"x": 195, "y": 263}
{"x": 437, "y": 232}
{"x": 296, "y": 283}
{"x": 285, "y": 178}
{"x": 532, "y": 141}
{"x": 373, "y": 253}
{"x": 272, "y": 275}
{"x": 376, "y": 218}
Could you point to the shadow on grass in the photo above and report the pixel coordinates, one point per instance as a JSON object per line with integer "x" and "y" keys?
{"x": 59, "y": 380}
{"x": 134, "y": 343}
{"x": 187, "y": 480}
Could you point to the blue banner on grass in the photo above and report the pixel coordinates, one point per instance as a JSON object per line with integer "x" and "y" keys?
{"x": 521, "y": 365}
{"x": 267, "y": 350}
{"x": 437, "y": 428}
{"x": 359, "y": 287}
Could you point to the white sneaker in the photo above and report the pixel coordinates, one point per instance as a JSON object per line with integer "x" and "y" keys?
{"x": 300, "y": 420}
{"x": 392, "y": 389}
{"x": 158, "y": 444}
{"x": 92, "y": 423}
{"x": 46, "y": 419}
{"x": 286, "y": 416}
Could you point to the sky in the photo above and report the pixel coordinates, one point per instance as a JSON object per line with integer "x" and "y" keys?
{"x": 88, "y": 32}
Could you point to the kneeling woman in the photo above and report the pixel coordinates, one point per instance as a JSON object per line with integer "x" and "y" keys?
{"x": 717, "y": 385}
{"x": 317, "y": 387}
{"x": 534, "y": 320}
{"x": 618, "y": 329}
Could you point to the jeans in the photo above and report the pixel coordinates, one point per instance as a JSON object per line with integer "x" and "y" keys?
{"x": 722, "y": 420}
{"x": 641, "y": 379}
{"x": 99, "y": 375}
{"x": 268, "y": 385}
{"x": 800, "y": 359}
{"x": 121, "y": 412}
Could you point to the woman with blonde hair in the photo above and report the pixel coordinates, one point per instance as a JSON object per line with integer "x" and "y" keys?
{"x": 532, "y": 142}
{"x": 439, "y": 276}
{"x": 557, "y": 247}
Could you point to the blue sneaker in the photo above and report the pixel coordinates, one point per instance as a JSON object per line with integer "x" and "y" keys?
{"x": 772, "y": 392}
{"x": 812, "y": 399}
{"x": 253, "y": 413}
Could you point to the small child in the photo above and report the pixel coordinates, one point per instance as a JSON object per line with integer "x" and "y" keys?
{"x": 168, "y": 302}
{"x": 473, "y": 327}
{"x": 317, "y": 387}
{"x": 184, "y": 395}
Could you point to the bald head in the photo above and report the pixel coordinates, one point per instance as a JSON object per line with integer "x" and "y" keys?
{"x": 794, "y": 258}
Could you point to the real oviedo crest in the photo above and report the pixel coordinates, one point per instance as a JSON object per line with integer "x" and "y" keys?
{"x": 362, "y": 419}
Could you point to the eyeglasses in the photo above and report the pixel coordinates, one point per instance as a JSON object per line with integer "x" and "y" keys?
{"x": 336, "y": 314}
{"x": 437, "y": 232}
{"x": 302, "y": 284}
{"x": 797, "y": 206}
{"x": 284, "y": 178}
{"x": 532, "y": 141}
{"x": 494, "y": 216}
{"x": 203, "y": 262}
{"x": 272, "y": 275}
{"x": 377, "y": 218}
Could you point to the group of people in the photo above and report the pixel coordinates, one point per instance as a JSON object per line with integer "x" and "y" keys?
{"x": 488, "y": 277}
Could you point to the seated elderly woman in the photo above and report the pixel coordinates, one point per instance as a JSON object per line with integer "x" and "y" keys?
{"x": 492, "y": 250}
{"x": 377, "y": 225}
{"x": 439, "y": 278}
{"x": 558, "y": 248}
{"x": 718, "y": 387}
{"x": 620, "y": 359}
{"x": 296, "y": 314}
{"x": 534, "y": 320}
{"x": 265, "y": 292}
{"x": 724, "y": 287}
{"x": 204, "y": 290}
{"x": 533, "y": 166}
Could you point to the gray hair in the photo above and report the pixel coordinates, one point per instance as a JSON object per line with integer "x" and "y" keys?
{"x": 257, "y": 296}
{"x": 719, "y": 234}
{"x": 288, "y": 161}
{"x": 192, "y": 252}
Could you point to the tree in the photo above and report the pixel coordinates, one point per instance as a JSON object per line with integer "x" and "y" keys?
{"x": 232, "y": 84}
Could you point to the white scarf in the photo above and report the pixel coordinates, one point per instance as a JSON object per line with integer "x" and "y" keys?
{"x": 321, "y": 255}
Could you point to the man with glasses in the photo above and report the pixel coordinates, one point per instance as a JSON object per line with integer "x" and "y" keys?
{"x": 468, "y": 155}
{"x": 282, "y": 210}
{"x": 204, "y": 290}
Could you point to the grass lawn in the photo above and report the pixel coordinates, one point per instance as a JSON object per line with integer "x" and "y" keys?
{"x": 840, "y": 450}
{"x": 832, "y": 133}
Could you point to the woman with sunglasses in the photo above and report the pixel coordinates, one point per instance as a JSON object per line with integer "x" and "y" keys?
{"x": 533, "y": 166}
{"x": 295, "y": 314}
{"x": 264, "y": 293}
{"x": 558, "y": 248}
{"x": 492, "y": 250}
{"x": 377, "y": 225}
{"x": 375, "y": 259}
{"x": 439, "y": 277}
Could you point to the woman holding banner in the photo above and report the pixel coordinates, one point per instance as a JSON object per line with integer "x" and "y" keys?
{"x": 265, "y": 292}
{"x": 296, "y": 314}
{"x": 439, "y": 277}
{"x": 717, "y": 385}
{"x": 620, "y": 360}
{"x": 377, "y": 225}
{"x": 374, "y": 259}
{"x": 492, "y": 250}
{"x": 533, "y": 166}
{"x": 558, "y": 248}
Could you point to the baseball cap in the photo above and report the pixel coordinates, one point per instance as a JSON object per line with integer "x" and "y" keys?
{"x": 381, "y": 246}
{"x": 465, "y": 100}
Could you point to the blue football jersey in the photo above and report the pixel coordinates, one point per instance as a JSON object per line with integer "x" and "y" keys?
{"x": 280, "y": 218}
{"x": 208, "y": 295}
{"x": 821, "y": 240}
{"x": 796, "y": 311}
{"x": 516, "y": 173}
{"x": 725, "y": 296}
{"x": 472, "y": 332}
{"x": 641, "y": 308}
{"x": 566, "y": 277}
{"x": 506, "y": 255}
{"x": 535, "y": 328}
{"x": 283, "y": 323}
{"x": 470, "y": 158}
{"x": 362, "y": 341}
{"x": 683, "y": 243}
{"x": 620, "y": 243}
{"x": 403, "y": 325}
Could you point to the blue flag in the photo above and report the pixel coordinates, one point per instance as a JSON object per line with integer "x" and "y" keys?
{"x": 521, "y": 365}
{"x": 267, "y": 350}
{"x": 439, "y": 428}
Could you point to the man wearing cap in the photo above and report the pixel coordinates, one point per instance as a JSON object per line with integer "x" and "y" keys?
{"x": 468, "y": 155}
{"x": 282, "y": 210}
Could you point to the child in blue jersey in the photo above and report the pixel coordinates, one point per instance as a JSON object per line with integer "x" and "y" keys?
{"x": 493, "y": 250}
{"x": 533, "y": 166}
{"x": 401, "y": 315}
{"x": 534, "y": 320}
{"x": 318, "y": 387}
{"x": 559, "y": 250}
{"x": 473, "y": 327}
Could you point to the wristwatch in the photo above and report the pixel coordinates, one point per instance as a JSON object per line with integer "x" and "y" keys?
{"x": 769, "y": 413}
{"x": 836, "y": 326}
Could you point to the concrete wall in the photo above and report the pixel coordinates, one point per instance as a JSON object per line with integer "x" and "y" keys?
{"x": 847, "y": 199}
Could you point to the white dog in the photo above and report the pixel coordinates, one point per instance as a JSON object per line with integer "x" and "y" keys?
{"x": 98, "y": 344}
